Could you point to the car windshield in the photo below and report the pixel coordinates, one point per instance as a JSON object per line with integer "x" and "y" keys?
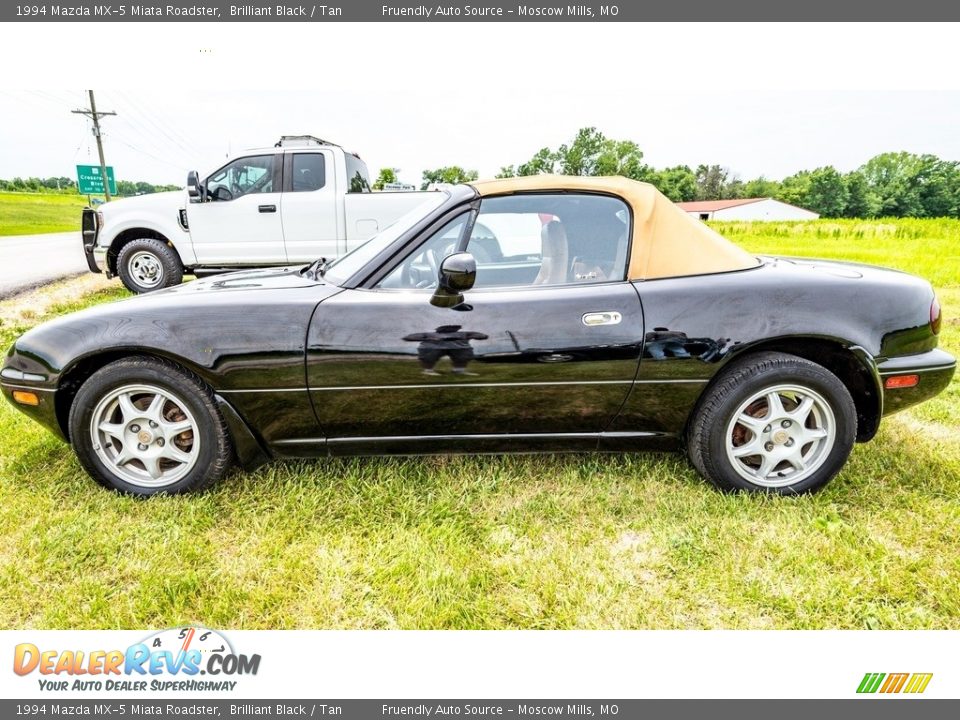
{"x": 346, "y": 265}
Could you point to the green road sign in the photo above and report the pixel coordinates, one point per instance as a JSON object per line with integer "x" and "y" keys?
{"x": 90, "y": 180}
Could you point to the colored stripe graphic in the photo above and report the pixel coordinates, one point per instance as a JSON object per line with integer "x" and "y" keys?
{"x": 918, "y": 682}
{"x": 894, "y": 683}
{"x": 870, "y": 682}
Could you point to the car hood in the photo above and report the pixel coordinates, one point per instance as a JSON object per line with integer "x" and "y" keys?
{"x": 279, "y": 278}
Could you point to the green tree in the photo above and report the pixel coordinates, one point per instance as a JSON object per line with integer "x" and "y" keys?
{"x": 544, "y": 162}
{"x": 589, "y": 153}
{"x": 580, "y": 156}
{"x": 452, "y": 174}
{"x": 794, "y": 189}
{"x": 760, "y": 188}
{"x": 827, "y": 193}
{"x": 733, "y": 189}
{"x": 387, "y": 175}
{"x": 711, "y": 180}
{"x": 621, "y": 157}
{"x": 939, "y": 186}
{"x": 893, "y": 178}
{"x": 861, "y": 200}
{"x": 677, "y": 183}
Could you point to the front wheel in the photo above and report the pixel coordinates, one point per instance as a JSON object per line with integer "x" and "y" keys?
{"x": 773, "y": 423}
{"x": 144, "y": 426}
{"x": 148, "y": 264}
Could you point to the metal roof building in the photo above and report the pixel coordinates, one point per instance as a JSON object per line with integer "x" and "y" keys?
{"x": 746, "y": 209}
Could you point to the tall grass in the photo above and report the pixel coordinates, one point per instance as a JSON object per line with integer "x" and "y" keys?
{"x": 926, "y": 247}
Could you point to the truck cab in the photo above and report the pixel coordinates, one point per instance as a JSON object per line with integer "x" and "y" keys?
{"x": 299, "y": 200}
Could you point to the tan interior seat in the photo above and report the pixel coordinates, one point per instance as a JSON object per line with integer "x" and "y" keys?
{"x": 555, "y": 255}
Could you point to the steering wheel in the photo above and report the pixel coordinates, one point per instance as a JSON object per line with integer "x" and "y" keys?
{"x": 434, "y": 268}
{"x": 406, "y": 275}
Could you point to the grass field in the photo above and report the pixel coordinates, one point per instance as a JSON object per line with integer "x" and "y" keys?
{"x": 34, "y": 213}
{"x": 581, "y": 541}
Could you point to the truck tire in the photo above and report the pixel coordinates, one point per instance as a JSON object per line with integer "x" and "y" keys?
{"x": 148, "y": 264}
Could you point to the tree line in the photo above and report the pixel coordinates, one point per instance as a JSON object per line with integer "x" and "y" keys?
{"x": 892, "y": 184}
{"x": 68, "y": 185}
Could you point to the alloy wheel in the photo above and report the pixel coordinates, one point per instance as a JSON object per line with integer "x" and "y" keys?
{"x": 145, "y": 435}
{"x": 780, "y": 435}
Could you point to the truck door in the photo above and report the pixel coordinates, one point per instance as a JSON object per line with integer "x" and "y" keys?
{"x": 239, "y": 221}
{"x": 309, "y": 205}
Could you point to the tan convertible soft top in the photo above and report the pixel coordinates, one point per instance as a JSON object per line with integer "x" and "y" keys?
{"x": 667, "y": 242}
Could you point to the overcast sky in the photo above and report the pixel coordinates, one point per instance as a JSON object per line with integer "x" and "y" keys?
{"x": 802, "y": 96}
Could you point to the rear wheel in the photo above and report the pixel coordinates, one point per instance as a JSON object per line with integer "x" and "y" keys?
{"x": 144, "y": 426}
{"x": 148, "y": 264}
{"x": 773, "y": 423}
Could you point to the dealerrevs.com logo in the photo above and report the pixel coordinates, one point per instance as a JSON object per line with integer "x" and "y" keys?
{"x": 890, "y": 683}
{"x": 172, "y": 659}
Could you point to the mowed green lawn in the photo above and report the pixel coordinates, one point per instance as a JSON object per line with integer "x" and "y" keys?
{"x": 34, "y": 213}
{"x": 578, "y": 541}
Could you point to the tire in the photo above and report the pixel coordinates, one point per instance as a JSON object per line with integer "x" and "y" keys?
{"x": 148, "y": 264}
{"x": 800, "y": 446}
{"x": 144, "y": 426}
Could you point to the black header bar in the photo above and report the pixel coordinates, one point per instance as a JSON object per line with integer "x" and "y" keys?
{"x": 483, "y": 11}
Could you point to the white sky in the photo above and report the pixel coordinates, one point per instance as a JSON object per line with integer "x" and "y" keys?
{"x": 759, "y": 99}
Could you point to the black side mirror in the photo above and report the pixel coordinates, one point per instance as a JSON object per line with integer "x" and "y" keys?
{"x": 194, "y": 188}
{"x": 457, "y": 274}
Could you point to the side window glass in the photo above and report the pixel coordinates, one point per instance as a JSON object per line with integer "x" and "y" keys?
{"x": 309, "y": 172}
{"x": 420, "y": 268}
{"x": 242, "y": 177}
{"x": 539, "y": 239}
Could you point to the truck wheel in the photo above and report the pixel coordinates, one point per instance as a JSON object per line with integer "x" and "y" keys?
{"x": 774, "y": 423}
{"x": 148, "y": 264}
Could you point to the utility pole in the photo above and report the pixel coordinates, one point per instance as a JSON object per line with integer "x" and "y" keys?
{"x": 95, "y": 116}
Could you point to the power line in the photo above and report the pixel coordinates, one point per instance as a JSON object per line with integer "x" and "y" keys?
{"x": 148, "y": 141}
{"x": 159, "y": 128}
{"x": 122, "y": 141}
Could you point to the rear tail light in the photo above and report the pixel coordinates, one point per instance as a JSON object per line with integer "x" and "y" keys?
{"x": 935, "y": 316}
{"x": 901, "y": 381}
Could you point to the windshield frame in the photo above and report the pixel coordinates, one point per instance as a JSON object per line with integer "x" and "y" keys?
{"x": 371, "y": 255}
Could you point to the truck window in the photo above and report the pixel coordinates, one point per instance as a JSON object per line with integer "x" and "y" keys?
{"x": 358, "y": 177}
{"x": 309, "y": 172}
{"x": 242, "y": 177}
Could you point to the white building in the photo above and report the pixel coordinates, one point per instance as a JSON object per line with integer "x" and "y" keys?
{"x": 746, "y": 209}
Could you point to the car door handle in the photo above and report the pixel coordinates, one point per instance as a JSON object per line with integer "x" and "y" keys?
{"x": 267, "y": 208}
{"x": 610, "y": 317}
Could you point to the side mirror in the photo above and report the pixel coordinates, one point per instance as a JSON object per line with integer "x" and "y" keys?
{"x": 457, "y": 274}
{"x": 194, "y": 188}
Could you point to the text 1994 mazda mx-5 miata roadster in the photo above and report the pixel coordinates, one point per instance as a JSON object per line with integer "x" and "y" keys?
{"x": 531, "y": 314}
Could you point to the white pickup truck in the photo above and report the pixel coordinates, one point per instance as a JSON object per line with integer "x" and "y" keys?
{"x": 302, "y": 199}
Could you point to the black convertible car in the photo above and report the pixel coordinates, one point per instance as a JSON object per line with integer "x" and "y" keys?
{"x": 531, "y": 314}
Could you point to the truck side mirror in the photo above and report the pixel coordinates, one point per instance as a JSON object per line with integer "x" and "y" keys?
{"x": 457, "y": 274}
{"x": 194, "y": 188}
